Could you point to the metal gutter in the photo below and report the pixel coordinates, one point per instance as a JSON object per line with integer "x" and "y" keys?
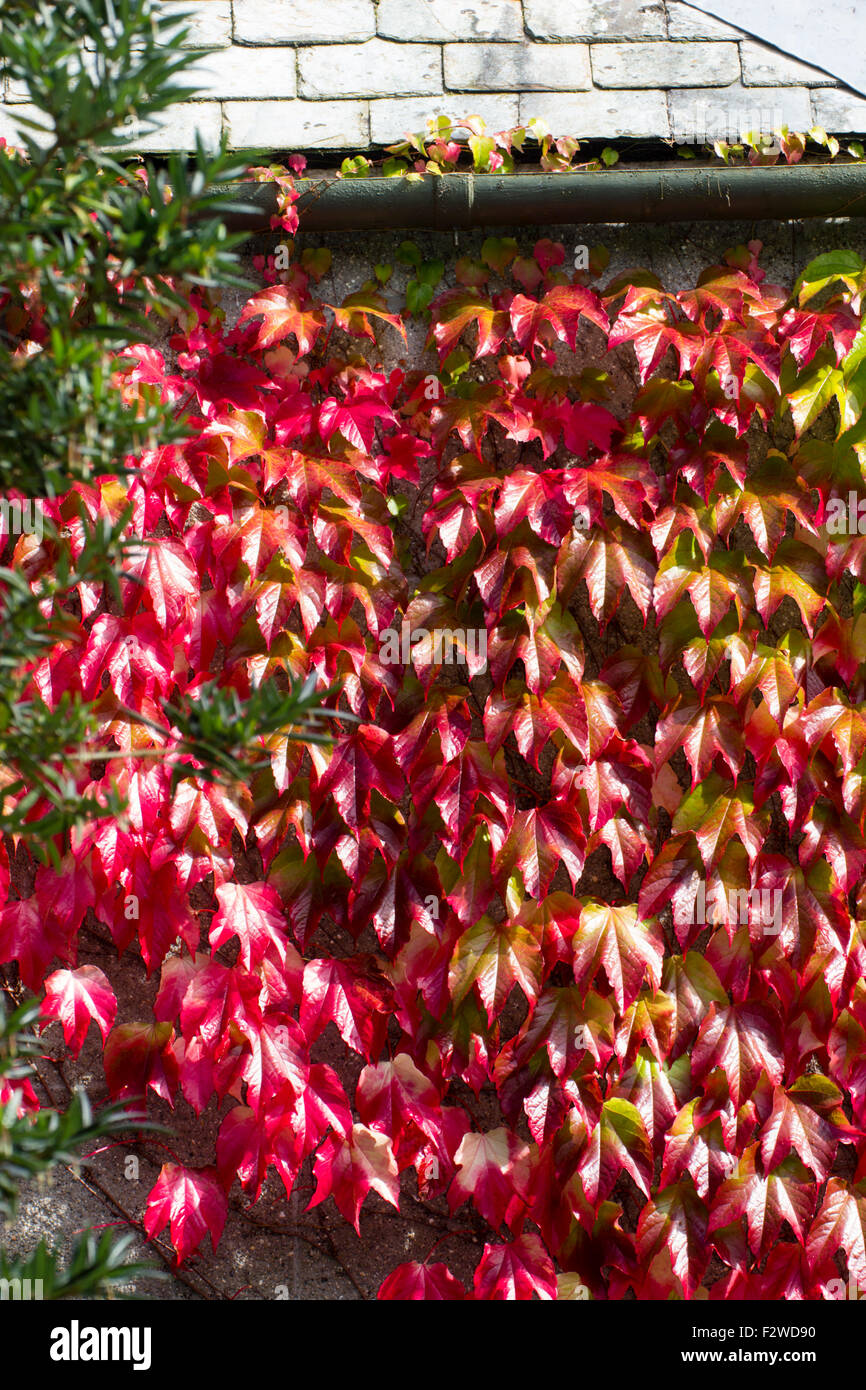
{"x": 540, "y": 199}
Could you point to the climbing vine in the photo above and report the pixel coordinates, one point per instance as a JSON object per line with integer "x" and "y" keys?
{"x": 579, "y": 876}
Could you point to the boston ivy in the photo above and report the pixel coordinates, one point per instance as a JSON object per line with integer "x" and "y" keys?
{"x": 603, "y": 870}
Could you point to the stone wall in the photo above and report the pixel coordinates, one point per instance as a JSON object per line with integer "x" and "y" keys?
{"x": 351, "y": 74}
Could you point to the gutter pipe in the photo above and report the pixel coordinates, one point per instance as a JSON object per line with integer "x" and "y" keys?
{"x": 454, "y": 200}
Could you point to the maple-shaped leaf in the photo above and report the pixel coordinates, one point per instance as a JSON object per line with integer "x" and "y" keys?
{"x": 250, "y": 911}
{"x": 361, "y": 762}
{"x": 415, "y": 1281}
{"x": 242, "y": 431}
{"x": 494, "y": 1169}
{"x": 834, "y": 836}
{"x": 307, "y": 475}
{"x": 537, "y": 498}
{"x": 396, "y": 1098}
{"x": 674, "y": 877}
{"x": 520, "y": 1270}
{"x": 616, "y": 560}
{"x": 615, "y": 940}
{"x": 617, "y": 1143}
{"x": 26, "y": 936}
{"x": 153, "y": 891}
{"x": 470, "y": 415}
{"x": 219, "y": 998}
{"x": 462, "y": 500}
{"x": 347, "y": 1169}
{"x": 695, "y": 1144}
{"x": 174, "y": 980}
{"x": 765, "y": 1201}
{"x": 715, "y": 812}
{"x": 77, "y": 998}
{"x": 356, "y": 417}
{"x": 538, "y": 841}
{"x": 674, "y": 1221}
{"x": 648, "y": 1022}
{"x": 807, "y": 1118}
{"x": 622, "y": 477}
{"x": 816, "y": 388}
{"x": 840, "y": 1224}
{"x": 770, "y": 493}
{"x": 192, "y": 1201}
{"x": 261, "y": 534}
{"x": 463, "y": 787}
{"x": 138, "y": 1055}
{"x": 704, "y": 731}
{"x": 294, "y": 1124}
{"x": 280, "y": 309}
{"x": 359, "y": 307}
{"x": 568, "y": 1027}
{"x": 763, "y": 668}
{"x": 742, "y": 1039}
{"x": 692, "y": 985}
{"x": 135, "y": 653}
{"x": 797, "y": 572}
{"x": 587, "y": 712}
{"x": 277, "y": 1061}
{"x": 454, "y": 311}
{"x": 712, "y": 585}
{"x": 621, "y": 777}
{"x": 495, "y": 956}
{"x": 655, "y": 1091}
{"x": 730, "y": 348}
{"x": 242, "y": 1150}
{"x": 644, "y": 322}
{"x": 558, "y": 313}
{"x": 344, "y": 992}
{"x": 170, "y": 581}
{"x": 805, "y": 331}
{"x": 831, "y": 716}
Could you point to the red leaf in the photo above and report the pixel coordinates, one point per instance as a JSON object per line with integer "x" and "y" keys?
{"x": 494, "y": 1170}
{"x": 78, "y": 997}
{"x": 349, "y": 1168}
{"x": 520, "y": 1270}
{"x": 250, "y": 911}
{"x": 138, "y": 1055}
{"x": 193, "y": 1201}
{"x": 342, "y": 992}
{"x": 281, "y": 311}
{"x": 429, "y": 1282}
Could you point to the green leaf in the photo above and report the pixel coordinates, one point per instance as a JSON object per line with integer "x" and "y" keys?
{"x": 408, "y": 253}
{"x": 845, "y": 266}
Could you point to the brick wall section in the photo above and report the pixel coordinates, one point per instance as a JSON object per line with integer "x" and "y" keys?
{"x": 348, "y": 74}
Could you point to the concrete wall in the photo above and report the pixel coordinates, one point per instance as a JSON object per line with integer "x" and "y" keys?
{"x": 350, "y": 74}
